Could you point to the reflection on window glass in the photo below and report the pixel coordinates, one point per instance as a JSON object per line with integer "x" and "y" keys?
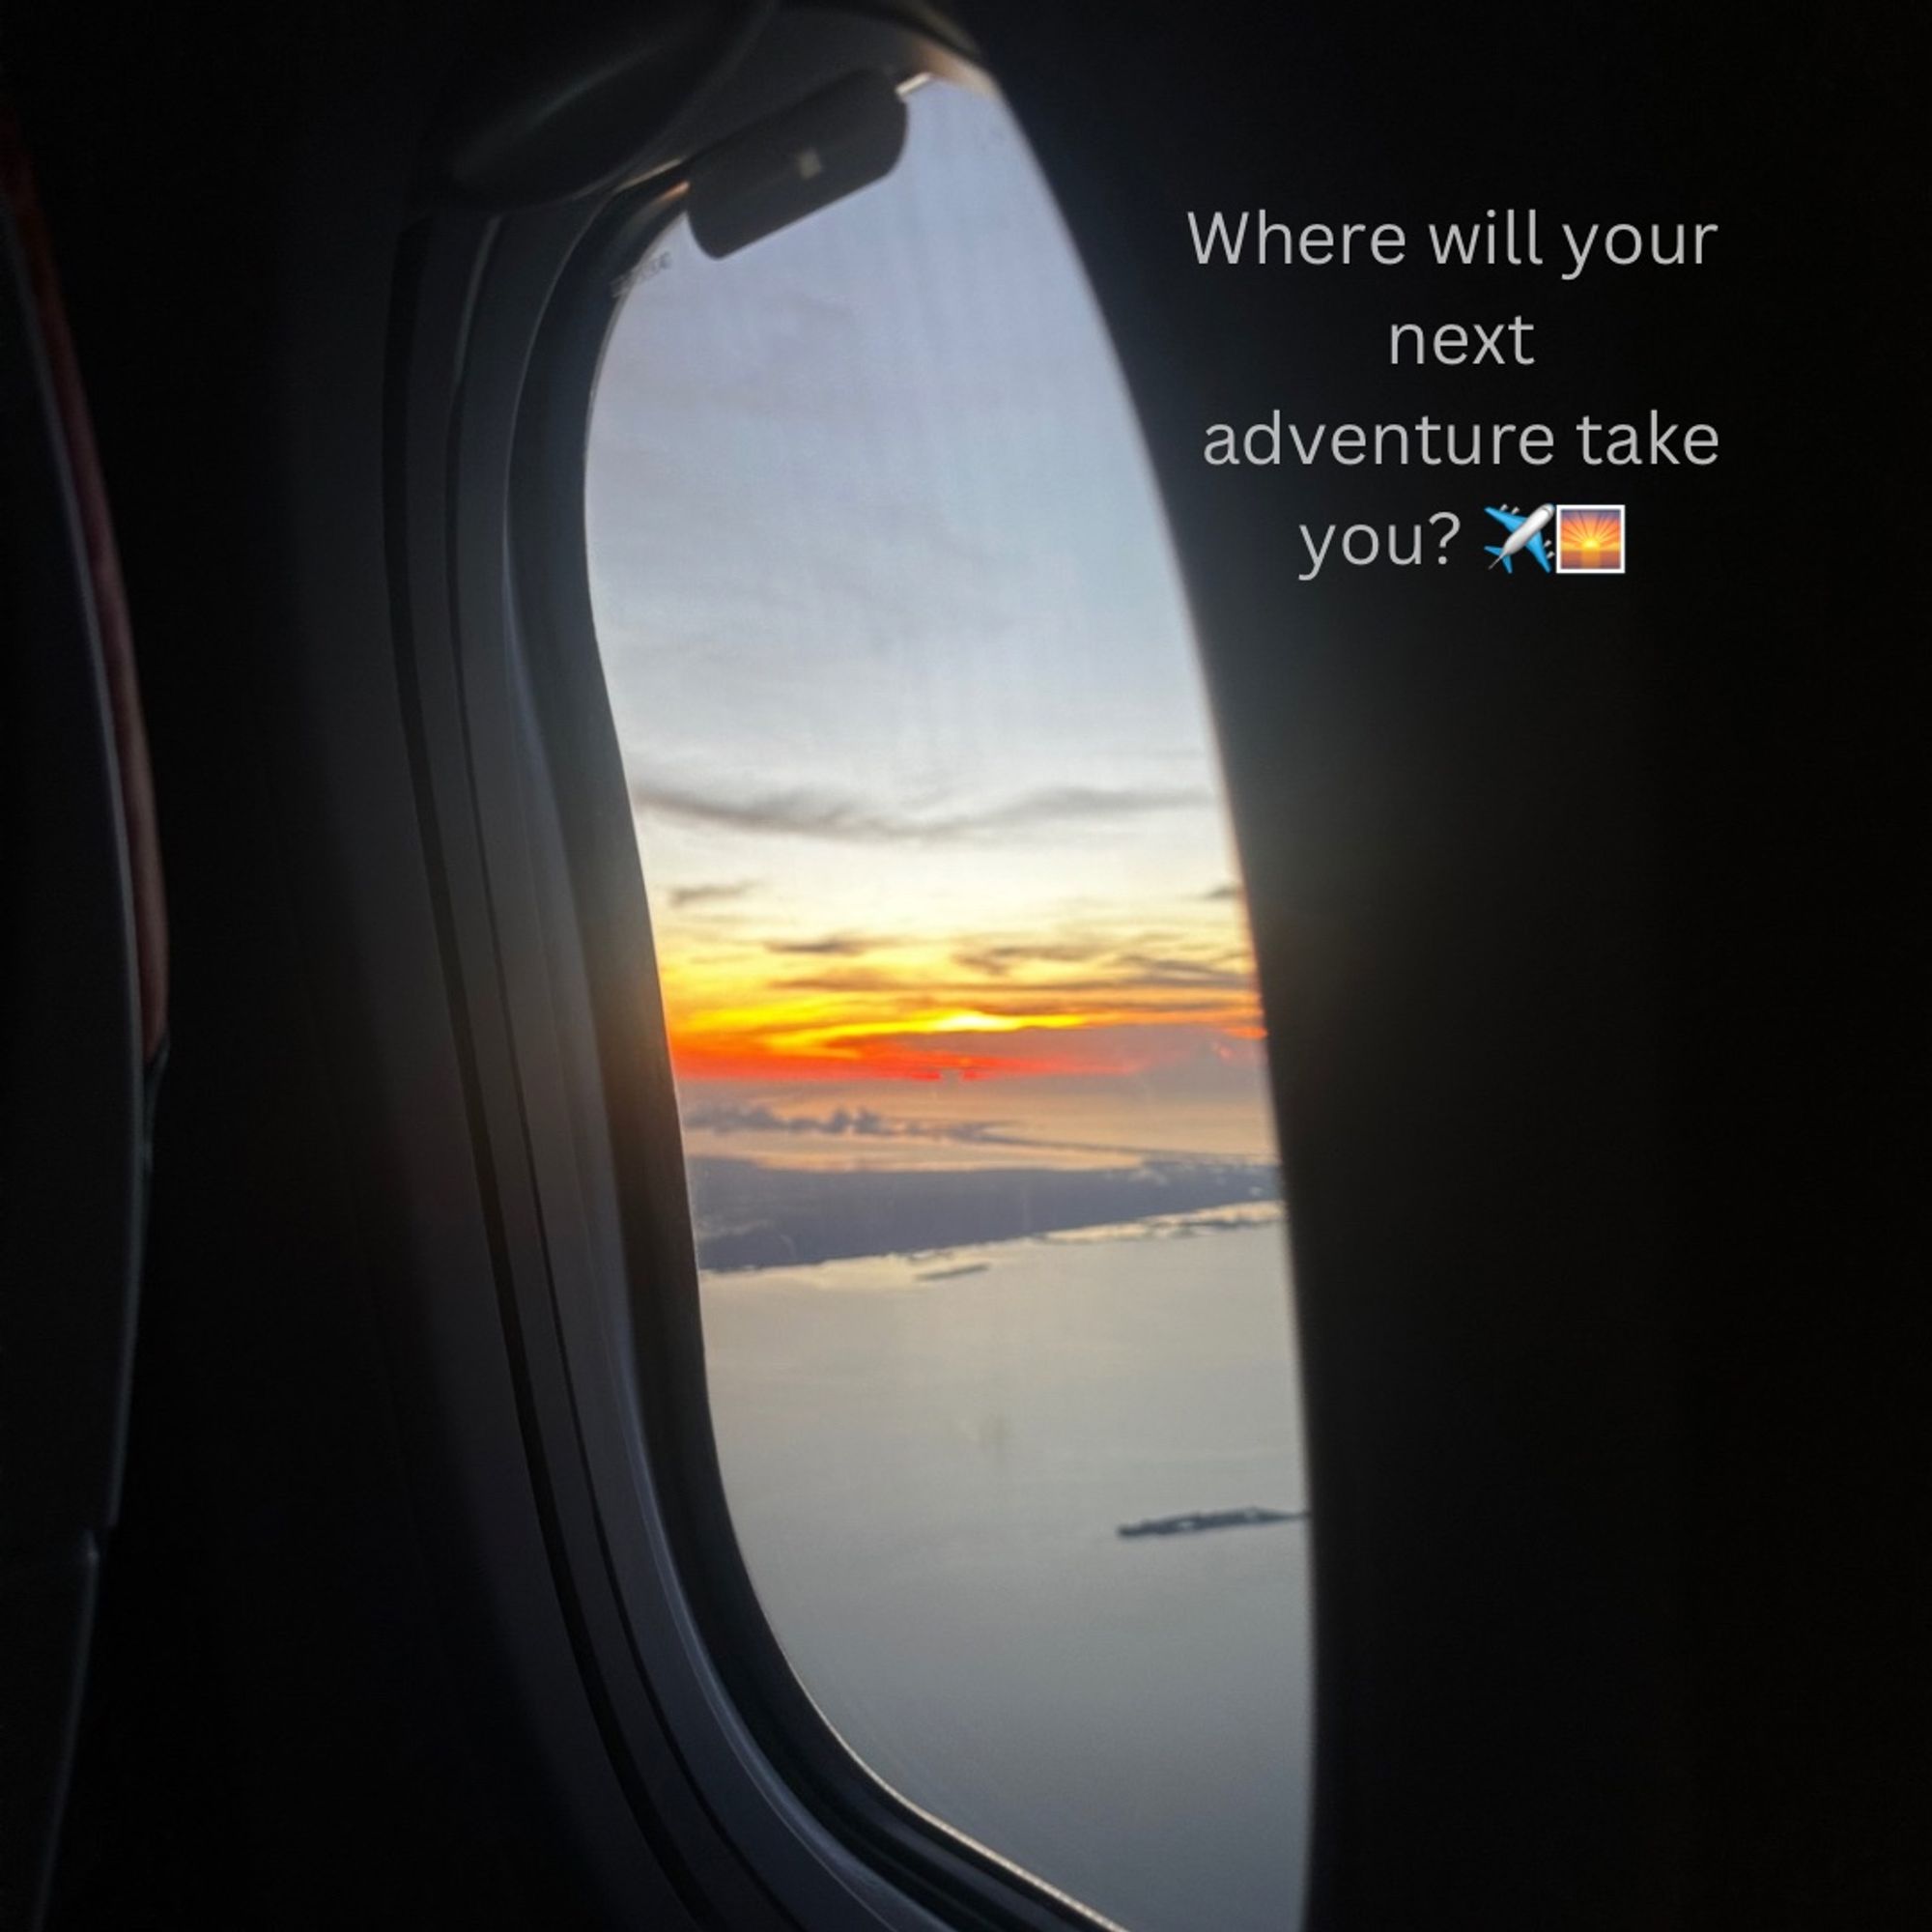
{"x": 958, "y": 981}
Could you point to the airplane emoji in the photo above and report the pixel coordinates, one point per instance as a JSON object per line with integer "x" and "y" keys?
{"x": 1525, "y": 533}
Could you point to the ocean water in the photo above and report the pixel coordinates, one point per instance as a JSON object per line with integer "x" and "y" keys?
{"x": 927, "y": 1459}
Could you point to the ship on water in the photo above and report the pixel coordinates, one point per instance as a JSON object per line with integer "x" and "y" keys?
{"x": 1189, "y": 1521}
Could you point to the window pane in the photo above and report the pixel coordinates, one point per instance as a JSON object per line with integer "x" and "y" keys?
{"x": 962, "y": 1001}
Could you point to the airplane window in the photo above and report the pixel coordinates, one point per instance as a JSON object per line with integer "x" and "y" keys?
{"x": 962, "y": 1001}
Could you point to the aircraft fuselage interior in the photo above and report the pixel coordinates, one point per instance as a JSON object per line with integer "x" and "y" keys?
{"x": 959, "y": 969}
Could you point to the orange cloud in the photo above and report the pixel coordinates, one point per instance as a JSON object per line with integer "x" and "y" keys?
{"x": 955, "y": 1008}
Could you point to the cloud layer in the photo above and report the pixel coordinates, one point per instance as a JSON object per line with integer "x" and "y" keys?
{"x": 812, "y": 812}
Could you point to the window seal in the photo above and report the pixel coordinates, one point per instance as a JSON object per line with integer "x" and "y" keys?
{"x": 754, "y": 1805}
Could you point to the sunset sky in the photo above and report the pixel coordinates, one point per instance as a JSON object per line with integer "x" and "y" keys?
{"x": 920, "y": 761}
